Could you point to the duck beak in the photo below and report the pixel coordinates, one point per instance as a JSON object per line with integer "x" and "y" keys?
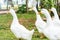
{"x": 40, "y": 12}
{"x": 50, "y": 10}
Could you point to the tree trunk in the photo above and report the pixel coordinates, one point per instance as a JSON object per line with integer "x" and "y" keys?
{"x": 7, "y": 4}
{"x": 27, "y": 6}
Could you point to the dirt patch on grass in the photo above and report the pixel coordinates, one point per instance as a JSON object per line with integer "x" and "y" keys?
{"x": 28, "y": 23}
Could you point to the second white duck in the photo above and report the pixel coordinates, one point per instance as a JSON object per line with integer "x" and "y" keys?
{"x": 39, "y": 22}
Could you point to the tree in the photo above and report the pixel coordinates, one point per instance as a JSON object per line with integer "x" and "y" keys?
{"x": 27, "y": 6}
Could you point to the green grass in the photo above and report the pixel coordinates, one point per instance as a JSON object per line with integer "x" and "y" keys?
{"x": 27, "y": 19}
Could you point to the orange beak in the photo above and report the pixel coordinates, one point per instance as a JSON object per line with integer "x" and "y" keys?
{"x": 50, "y": 10}
{"x": 40, "y": 12}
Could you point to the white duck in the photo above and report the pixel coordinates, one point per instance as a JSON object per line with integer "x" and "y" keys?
{"x": 19, "y": 30}
{"x": 39, "y": 22}
{"x": 56, "y": 17}
{"x": 50, "y": 31}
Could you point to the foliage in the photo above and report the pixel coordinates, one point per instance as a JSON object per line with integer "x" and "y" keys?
{"x": 48, "y": 3}
{"x": 21, "y": 9}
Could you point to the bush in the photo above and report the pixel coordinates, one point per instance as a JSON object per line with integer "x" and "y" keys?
{"x": 48, "y": 3}
{"x": 22, "y": 9}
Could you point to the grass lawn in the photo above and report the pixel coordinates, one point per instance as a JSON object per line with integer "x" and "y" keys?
{"x": 27, "y": 19}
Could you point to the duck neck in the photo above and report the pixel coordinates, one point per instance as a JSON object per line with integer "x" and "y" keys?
{"x": 15, "y": 17}
{"x": 37, "y": 14}
{"x": 49, "y": 20}
{"x": 56, "y": 15}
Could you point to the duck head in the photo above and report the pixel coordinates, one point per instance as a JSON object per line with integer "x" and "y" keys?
{"x": 48, "y": 17}
{"x": 55, "y": 13}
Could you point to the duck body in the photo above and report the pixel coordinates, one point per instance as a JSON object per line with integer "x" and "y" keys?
{"x": 39, "y": 23}
{"x": 19, "y": 30}
{"x": 51, "y": 31}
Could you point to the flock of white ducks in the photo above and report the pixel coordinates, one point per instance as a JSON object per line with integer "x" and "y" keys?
{"x": 50, "y": 28}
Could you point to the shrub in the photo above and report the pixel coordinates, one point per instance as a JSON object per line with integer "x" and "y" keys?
{"x": 21, "y": 9}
